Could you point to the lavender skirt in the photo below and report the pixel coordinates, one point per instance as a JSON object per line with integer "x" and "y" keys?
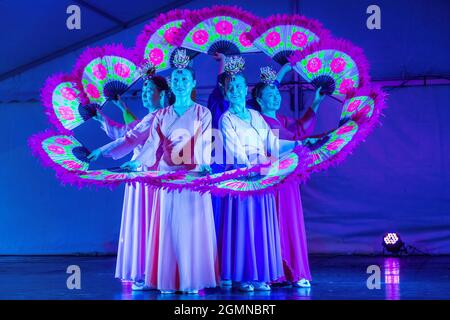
{"x": 131, "y": 254}
{"x": 249, "y": 240}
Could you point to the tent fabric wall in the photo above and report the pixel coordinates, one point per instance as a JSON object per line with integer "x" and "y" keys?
{"x": 396, "y": 181}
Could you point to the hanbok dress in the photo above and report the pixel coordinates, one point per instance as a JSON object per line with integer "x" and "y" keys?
{"x": 182, "y": 252}
{"x": 249, "y": 239}
{"x": 137, "y": 201}
{"x": 294, "y": 248}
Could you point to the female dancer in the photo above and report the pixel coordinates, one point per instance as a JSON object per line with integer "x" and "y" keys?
{"x": 249, "y": 242}
{"x": 290, "y": 214}
{"x": 138, "y": 197}
{"x": 182, "y": 253}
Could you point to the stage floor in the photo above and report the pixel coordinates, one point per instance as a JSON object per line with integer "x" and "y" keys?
{"x": 334, "y": 277}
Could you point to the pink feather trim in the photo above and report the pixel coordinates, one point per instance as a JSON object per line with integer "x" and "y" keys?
{"x": 364, "y": 128}
{"x": 197, "y": 16}
{"x": 47, "y": 98}
{"x": 345, "y": 46}
{"x": 153, "y": 26}
{"x": 283, "y": 19}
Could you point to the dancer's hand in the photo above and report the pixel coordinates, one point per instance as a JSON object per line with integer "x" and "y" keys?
{"x": 219, "y": 56}
{"x": 205, "y": 169}
{"x": 94, "y": 155}
{"x": 132, "y": 165}
{"x": 318, "y": 97}
{"x": 119, "y": 103}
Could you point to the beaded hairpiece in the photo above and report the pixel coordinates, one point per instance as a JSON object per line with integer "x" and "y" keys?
{"x": 268, "y": 75}
{"x": 147, "y": 70}
{"x": 234, "y": 65}
{"x": 181, "y": 59}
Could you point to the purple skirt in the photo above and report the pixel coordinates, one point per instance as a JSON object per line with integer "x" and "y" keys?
{"x": 292, "y": 233}
{"x": 249, "y": 239}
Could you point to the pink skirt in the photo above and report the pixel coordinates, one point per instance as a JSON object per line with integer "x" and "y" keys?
{"x": 182, "y": 252}
{"x": 131, "y": 254}
{"x": 294, "y": 250}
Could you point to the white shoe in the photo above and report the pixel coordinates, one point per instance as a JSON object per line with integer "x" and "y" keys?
{"x": 140, "y": 286}
{"x": 167, "y": 291}
{"x": 261, "y": 286}
{"x": 303, "y": 283}
{"x": 226, "y": 283}
{"x": 246, "y": 287}
{"x": 191, "y": 291}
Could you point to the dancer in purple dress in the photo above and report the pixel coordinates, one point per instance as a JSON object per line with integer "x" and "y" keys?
{"x": 290, "y": 213}
{"x": 248, "y": 241}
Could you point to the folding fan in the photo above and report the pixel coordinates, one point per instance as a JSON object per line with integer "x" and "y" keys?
{"x": 65, "y": 106}
{"x": 218, "y": 29}
{"x": 334, "y": 65}
{"x": 156, "y": 43}
{"x": 361, "y": 104}
{"x": 290, "y": 166}
{"x": 60, "y": 151}
{"x": 326, "y": 147}
{"x": 105, "y": 72}
{"x": 279, "y": 36}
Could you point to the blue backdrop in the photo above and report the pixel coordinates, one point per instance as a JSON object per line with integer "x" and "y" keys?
{"x": 398, "y": 180}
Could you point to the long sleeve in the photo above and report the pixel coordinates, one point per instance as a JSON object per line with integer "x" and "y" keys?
{"x": 233, "y": 145}
{"x": 133, "y": 138}
{"x": 202, "y": 147}
{"x": 147, "y": 156}
{"x": 275, "y": 145}
{"x": 304, "y": 126}
{"x": 113, "y": 129}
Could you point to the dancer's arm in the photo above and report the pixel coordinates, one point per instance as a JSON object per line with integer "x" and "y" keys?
{"x": 147, "y": 156}
{"x": 202, "y": 147}
{"x": 124, "y": 145}
{"x": 233, "y": 145}
{"x": 127, "y": 115}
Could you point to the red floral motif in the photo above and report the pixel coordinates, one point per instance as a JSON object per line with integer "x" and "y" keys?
{"x": 224, "y": 27}
{"x": 335, "y": 144}
{"x": 244, "y": 39}
{"x": 68, "y": 93}
{"x": 338, "y": 65}
{"x": 344, "y": 129}
{"x": 122, "y": 70}
{"x": 352, "y": 106}
{"x": 71, "y": 164}
{"x": 269, "y": 181}
{"x": 170, "y": 35}
{"x": 299, "y": 39}
{"x": 235, "y": 184}
{"x": 285, "y": 163}
{"x": 200, "y": 37}
{"x": 56, "y": 149}
{"x": 156, "y": 56}
{"x": 115, "y": 176}
{"x": 66, "y": 113}
{"x": 63, "y": 141}
{"x": 314, "y": 65}
{"x": 272, "y": 39}
{"x": 99, "y": 71}
{"x": 92, "y": 91}
{"x": 345, "y": 85}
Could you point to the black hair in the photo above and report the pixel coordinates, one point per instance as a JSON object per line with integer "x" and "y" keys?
{"x": 257, "y": 93}
{"x": 162, "y": 85}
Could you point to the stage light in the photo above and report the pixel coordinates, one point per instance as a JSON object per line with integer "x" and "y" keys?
{"x": 393, "y": 243}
